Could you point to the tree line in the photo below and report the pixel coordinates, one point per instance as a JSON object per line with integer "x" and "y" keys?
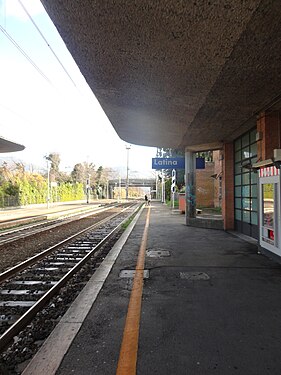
{"x": 20, "y": 187}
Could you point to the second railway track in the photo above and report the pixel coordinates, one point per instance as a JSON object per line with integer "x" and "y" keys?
{"x": 16, "y": 230}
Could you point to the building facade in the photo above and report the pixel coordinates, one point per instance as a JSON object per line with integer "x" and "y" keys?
{"x": 250, "y": 183}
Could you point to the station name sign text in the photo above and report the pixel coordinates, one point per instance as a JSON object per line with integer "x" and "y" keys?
{"x": 167, "y": 163}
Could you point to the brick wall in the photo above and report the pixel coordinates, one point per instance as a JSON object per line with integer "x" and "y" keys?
{"x": 208, "y": 183}
{"x": 205, "y": 186}
{"x": 269, "y": 125}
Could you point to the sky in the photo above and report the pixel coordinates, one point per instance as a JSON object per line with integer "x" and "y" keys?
{"x": 49, "y": 107}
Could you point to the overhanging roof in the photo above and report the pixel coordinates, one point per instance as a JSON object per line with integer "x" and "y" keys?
{"x": 174, "y": 73}
{"x": 9, "y": 146}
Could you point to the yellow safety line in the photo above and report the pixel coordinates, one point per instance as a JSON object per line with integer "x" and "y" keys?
{"x": 127, "y": 362}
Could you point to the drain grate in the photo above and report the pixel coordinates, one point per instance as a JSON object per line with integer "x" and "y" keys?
{"x": 158, "y": 253}
{"x": 130, "y": 274}
{"x": 194, "y": 276}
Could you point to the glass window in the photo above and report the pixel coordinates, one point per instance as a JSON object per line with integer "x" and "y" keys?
{"x": 253, "y": 149}
{"x": 253, "y": 136}
{"x": 245, "y": 140}
{"x": 237, "y": 191}
{"x": 254, "y": 204}
{"x": 237, "y": 144}
{"x": 237, "y": 179}
{"x": 254, "y": 177}
{"x": 254, "y": 160}
{"x": 254, "y": 191}
{"x": 238, "y": 168}
{"x": 246, "y": 153}
{"x": 246, "y": 203}
{"x": 237, "y": 156}
{"x": 245, "y": 178}
{"x": 246, "y": 216}
{"x": 254, "y": 218}
{"x": 246, "y": 166}
{"x": 238, "y": 215}
{"x": 238, "y": 203}
{"x": 245, "y": 190}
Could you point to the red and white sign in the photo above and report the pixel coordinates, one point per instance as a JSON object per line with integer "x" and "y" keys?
{"x": 269, "y": 171}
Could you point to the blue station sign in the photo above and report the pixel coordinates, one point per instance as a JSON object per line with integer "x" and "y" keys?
{"x": 168, "y": 163}
{"x": 200, "y": 163}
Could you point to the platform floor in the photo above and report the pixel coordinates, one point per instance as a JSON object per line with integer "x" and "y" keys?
{"x": 13, "y": 213}
{"x": 212, "y": 306}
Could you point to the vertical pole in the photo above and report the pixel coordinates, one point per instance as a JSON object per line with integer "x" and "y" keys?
{"x": 164, "y": 191}
{"x": 190, "y": 192}
{"x": 162, "y": 187}
{"x": 173, "y": 186}
{"x": 115, "y": 191}
{"x": 127, "y": 176}
{"x": 119, "y": 194}
{"x": 163, "y": 180}
{"x": 156, "y": 186}
{"x": 88, "y": 188}
{"x": 48, "y": 182}
{"x": 228, "y": 186}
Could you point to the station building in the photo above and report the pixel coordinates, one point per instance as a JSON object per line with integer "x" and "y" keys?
{"x": 196, "y": 76}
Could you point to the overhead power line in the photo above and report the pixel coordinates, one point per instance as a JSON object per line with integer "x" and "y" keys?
{"x": 24, "y": 54}
{"x": 46, "y": 41}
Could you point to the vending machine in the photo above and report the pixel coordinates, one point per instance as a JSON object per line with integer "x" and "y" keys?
{"x": 269, "y": 201}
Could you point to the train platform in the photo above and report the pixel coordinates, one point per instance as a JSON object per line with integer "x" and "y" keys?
{"x": 171, "y": 299}
{"x": 38, "y": 212}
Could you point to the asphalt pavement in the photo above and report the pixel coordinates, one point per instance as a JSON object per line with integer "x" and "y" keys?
{"x": 210, "y": 305}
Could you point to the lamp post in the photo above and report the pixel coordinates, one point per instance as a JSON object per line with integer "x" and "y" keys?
{"x": 128, "y": 147}
{"x": 120, "y": 192}
{"x": 48, "y": 181}
{"x": 88, "y": 188}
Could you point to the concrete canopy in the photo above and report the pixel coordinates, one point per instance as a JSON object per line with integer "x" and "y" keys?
{"x": 174, "y": 73}
{"x": 9, "y": 146}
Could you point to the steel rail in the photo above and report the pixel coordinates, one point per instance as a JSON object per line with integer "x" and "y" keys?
{"x": 30, "y": 261}
{"x": 25, "y": 319}
{"x": 47, "y": 226}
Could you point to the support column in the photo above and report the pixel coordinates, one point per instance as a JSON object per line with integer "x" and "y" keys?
{"x": 268, "y": 125}
{"x": 190, "y": 186}
{"x": 228, "y": 187}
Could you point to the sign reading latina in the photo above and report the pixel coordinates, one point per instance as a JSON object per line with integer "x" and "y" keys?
{"x": 167, "y": 163}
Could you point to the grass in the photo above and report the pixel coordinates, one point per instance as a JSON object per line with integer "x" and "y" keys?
{"x": 176, "y": 205}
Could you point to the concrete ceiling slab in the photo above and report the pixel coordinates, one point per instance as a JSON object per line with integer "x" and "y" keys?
{"x": 175, "y": 73}
{"x": 9, "y": 146}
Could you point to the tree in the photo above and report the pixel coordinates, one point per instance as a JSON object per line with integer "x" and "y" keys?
{"x": 54, "y": 158}
{"x": 78, "y": 173}
{"x": 5, "y": 173}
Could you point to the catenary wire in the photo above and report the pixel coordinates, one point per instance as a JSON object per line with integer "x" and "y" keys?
{"x": 46, "y": 41}
{"x": 24, "y": 54}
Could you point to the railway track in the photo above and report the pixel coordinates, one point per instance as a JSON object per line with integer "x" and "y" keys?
{"x": 27, "y": 288}
{"x": 29, "y": 229}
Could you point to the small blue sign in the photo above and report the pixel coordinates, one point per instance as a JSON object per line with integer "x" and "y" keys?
{"x": 168, "y": 163}
{"x": 200, "y": 163}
